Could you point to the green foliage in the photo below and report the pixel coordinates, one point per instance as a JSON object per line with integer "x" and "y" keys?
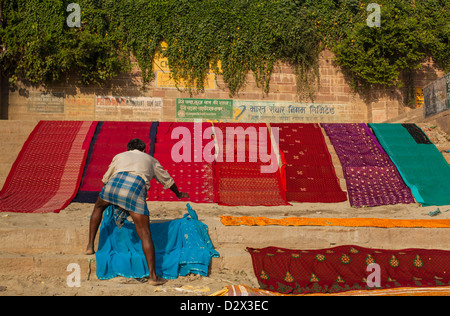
{"x": 228, "y": 37}
{"x": 410, "y": 31}
{"x": 41, "y": 48}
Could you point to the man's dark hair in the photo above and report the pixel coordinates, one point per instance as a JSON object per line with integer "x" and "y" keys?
{"x": 136, "y": 143}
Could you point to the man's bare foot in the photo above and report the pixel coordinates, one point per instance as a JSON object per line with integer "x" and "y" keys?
{"x": 157, "y": 281}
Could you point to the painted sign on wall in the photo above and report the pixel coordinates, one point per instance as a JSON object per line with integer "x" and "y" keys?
{"x": 227, "y": 110}
{"x": 419, "y": 97}
{"x": 80, "y": 106}
{"x": 207, "y": 109}
{"x": 283, "y": 112}
{"x": 126, "y": 108}
{"x": 46, "y": 102}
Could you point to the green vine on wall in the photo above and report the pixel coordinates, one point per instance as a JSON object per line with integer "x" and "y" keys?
{"x": 232, "y": 38}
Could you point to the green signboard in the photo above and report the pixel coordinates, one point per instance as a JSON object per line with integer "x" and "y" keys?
{"x": 206, "y": 109}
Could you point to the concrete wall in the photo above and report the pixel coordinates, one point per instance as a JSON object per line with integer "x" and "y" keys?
{"x": 123, "y": 98}
{"x": 3, "y": 100}
{"x": 436, "y": 109}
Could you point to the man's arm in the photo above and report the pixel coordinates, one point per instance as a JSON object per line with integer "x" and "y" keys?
{"x": 163, "y": 177}
{"x": 179, "y": 194}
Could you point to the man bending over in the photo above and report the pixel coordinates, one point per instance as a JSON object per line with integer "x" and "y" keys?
{"x": 126, "y": 184}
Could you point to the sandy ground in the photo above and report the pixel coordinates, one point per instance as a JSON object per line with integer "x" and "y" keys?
{"x": 191, "y": 285}
{"x": 77, "y": 215}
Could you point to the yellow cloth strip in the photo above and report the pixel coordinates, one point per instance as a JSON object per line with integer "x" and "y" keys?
{"x": 243, "y": 290}
{"x": 347, "y": 222}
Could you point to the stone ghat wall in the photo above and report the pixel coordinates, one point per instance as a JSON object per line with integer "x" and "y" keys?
{"x": 123, "y": 99}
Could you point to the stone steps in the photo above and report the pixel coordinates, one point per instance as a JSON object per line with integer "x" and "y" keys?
{"x": 45, "y": 265}
{"x": 48, "y": 251}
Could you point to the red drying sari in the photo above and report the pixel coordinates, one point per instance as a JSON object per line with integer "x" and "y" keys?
{"x": 110, "y": 139}
{"x": 251, "y": 181}
{"x": 193, "y": 174}
{"x": 344, "y": 268}
{"x": 310, "y": 174}
{"x": 46, "y": 174}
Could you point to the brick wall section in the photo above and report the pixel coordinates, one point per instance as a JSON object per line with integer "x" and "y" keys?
{"x": 77, "y": 102}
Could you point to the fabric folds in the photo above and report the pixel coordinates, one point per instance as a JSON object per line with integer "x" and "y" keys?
{"x": 244, "y": 290}
{"x": 246, "y": 171}
{"x": 346, "y": 222}
{"x": 110, "y": 139}
{"x": 310, "y": 174}
{"x": 183, "y": 151}
{"x": 47, "y": 172}
{"x": 345, "y": 268}
{"x": 182, "y": 246}
{"x": 372, "y": 179}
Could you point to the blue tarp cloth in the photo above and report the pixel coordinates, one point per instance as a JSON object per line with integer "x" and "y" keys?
{"x": 182, "y": 246}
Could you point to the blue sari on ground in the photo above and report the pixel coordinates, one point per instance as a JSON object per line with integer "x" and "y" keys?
{"x": 182, "y": 246}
